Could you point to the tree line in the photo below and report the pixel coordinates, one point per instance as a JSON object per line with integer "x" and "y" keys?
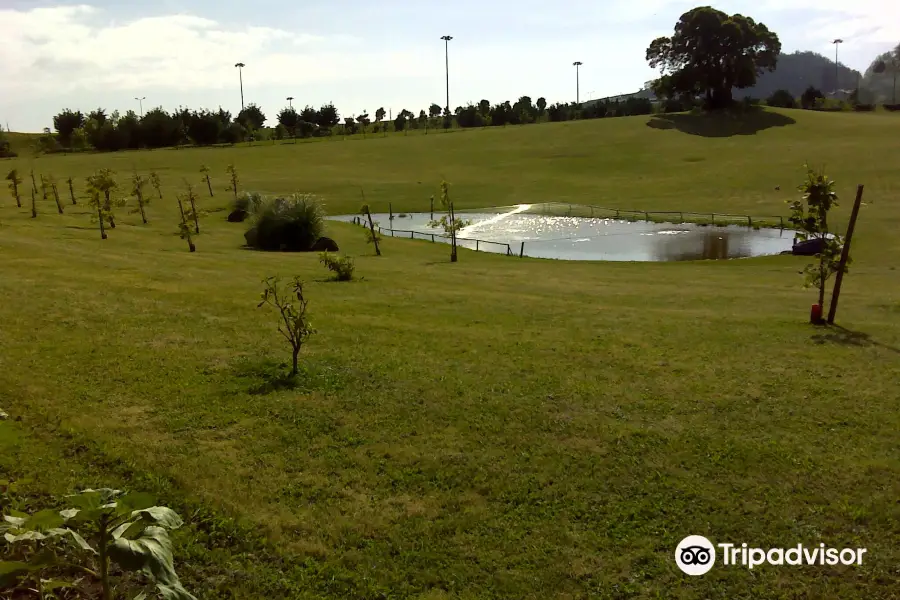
{"x": 157, "y": 128}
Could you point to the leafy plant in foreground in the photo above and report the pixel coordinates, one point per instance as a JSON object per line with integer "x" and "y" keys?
{"x": 103, "y": 528}
{"x": 51, "y": 181}
{"x": 138, "y": 184}
{"x": 294, "y": 326}
{"x": 14, "y": 182}
{"x": 811, "y": 221}
{"x": 449, "y": 223}
{"x": 233, "y": 176}
{"x": 204, "y": 170}
{"x": 341, "y": 265}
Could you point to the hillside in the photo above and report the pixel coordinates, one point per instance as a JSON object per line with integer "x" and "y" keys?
{"x": 799, "y": 70}
{"x": 499, "y": 427}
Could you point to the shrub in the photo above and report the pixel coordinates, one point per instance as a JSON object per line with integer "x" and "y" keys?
{"x": 341, "y": 265}
{"x": 246, "y": 204}
{"x": 891, "y": 107}
{"x": 809, "y": 97}
{"x": 863, "y": 107}
{"x": 781, "y": 99}
{"x": 293, "y": 223}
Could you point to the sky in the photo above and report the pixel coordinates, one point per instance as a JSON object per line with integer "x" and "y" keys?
{"x": 365, "y": 55}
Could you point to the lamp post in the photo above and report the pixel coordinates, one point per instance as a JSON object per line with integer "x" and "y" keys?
{"x": 290, "y": 100}
{"x": 577, "y": 64}
{"x": 447, "y": 39}
{"x": 836, "y": 43}
{"x": 240, "y": 66}
{"x": 141, "y": 104}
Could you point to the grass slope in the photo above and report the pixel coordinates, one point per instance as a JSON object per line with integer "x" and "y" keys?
{"x": 495, "y": 428}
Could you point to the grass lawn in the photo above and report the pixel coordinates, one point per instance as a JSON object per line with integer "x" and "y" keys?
{"x": 495, "y": 428}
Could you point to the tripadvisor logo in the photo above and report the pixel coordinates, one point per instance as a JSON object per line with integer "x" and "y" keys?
{"x": 696, "y": 555}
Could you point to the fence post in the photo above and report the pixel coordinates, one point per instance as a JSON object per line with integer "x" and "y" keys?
{"x": 781, "y": 220}
{"x": 713, "y": 217}
{"x": 592, "y": 212}
{"x": 432, "y": 208}
{"x": 412, "y": 235}
{"x": 522, "y": 250}
{"x": 508, "y": 250}
{"x": 570, "y": 210}
{"x": 617, "y": 213}
{"x": 432, "y": 238}
{"x": 476, "y": 245}
{"x": 749, "y": 221}
{"x": 681, "y": 216}
{"x": 391, "y": 211}
{"x": 646, "y": 215}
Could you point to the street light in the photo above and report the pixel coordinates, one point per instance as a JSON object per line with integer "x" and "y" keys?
{"x": 240, "y": 66}
{"x": 447, "y": 39}
{"x": 577, "y": 64}
{"x": 141, "y": 104}
{"x": 836, "y": 42}
{"x": 290, "y": 100}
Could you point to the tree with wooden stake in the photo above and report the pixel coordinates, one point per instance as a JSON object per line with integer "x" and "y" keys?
{"x": 154, "y": 181}
{"x": 372, "y": 236}
{"x": 233, "y": 176}
{"x": 810, "y": 218}
{"x": 845, "y": 255}
{"x": 193, "y": 214}
{"x": 95, "y": 201}
{"x": 449, "y": 223}
{"x": 71, "y": 191}
{"x": 54, "y": 188}
{"x": 204, "y": 170}
{"x": 14, "y": 182}
{"x": 183, "y": 228}
{"x": 33, "y": 196}
{"x": 104, "y": 180}
{"x": 294, "y": 325}
{"x": 138, "y": 184}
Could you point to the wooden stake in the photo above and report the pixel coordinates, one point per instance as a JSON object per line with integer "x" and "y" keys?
{"x": 845, "y": 254}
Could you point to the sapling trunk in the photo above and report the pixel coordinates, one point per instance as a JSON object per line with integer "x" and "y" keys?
{"x": 185, "y": 229}
{"x": 71, "y": 191}
{"x": 100, "y": 219}
{"x": 452, "y": 234}
{"x": 55, "y": 190}
{"x": 108, "y": 208}
{"x": 33, "y": 203}
{"x": 209, "y": 185}
{"x": 43, "y": 187}
{"x": 15, "y": 185}
{"x": 194, "y": 212}
{"x": 296, "y": 353}
{"x": 140, "y": 199}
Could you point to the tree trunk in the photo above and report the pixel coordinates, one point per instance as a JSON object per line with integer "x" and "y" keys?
{"x": 16, "y": 192}
{"x": 33, "y": 203}
{"x": 194, "y": 212}
{"x": 191, "y": 245}
{"x": 294, "y": 369}
{"x": 100, "y": 219}
{"x": 71, "y": 192}
{"x": 141, "y": 206}
{"x": 209, "y": 185}
{"x": 372, "y": 229}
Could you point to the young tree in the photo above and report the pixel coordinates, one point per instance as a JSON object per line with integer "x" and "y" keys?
{"x": 99, "y": 188}
{"x": 290, "y": 120}
{"x": 251, "y": 117}
{"x": 33, "y": 196}
{"x": 372, "y": 236}
{"x": 712, "y": 53}
{"x": 190, "y": 215}
{"x": 71, "y": 191}
{"x": 154, "y": 181}
{"x": 449, "y": 223}
{"x": 105, "y": 180}
{"x": 233, "y": 176}
{"x": 204, "y": 170}
{"x": 294, "y": 325}
{"x": 54, "y": 188}
{"x": 363, "y": 120}
{"x": 43, "y": 188}
{"x": 193, "y": 214}
{"x": 811, "y": 221}
{"x": 14, "y": 182}
{"x": 138, "y": 184}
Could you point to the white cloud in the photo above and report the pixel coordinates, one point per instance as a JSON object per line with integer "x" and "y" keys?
{"x": 78, "y": 48}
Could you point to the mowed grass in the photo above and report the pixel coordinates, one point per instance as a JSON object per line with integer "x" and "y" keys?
{"x": 494, "y": 428}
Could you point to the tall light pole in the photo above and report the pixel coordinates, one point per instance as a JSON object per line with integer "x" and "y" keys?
{"x": 447, "y": 39}
{"x": 141, "y": 104}
{"x": 240, "y": 66}
{"x": 836, "y": 43}
{"x": 577, "y": 64}
{"x": 290, "y": 100}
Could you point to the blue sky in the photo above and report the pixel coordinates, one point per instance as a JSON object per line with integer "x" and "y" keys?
{"x": 365, "y": 55}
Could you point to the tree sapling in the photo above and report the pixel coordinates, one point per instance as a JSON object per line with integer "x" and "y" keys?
{"x": 33, "y": 196}
{"x": 154, "y": 181}
{"x": 55, "y": 189}
{"x": 14, "y": 182}
{"x": 138, "y": 184}
{"x": 205, "y": 171}
{"x": 294, "y": 325}
{"x": 105, "y": 182}
{"x": 811, "y": 222}
{"x": 341, "y": 265}
{"x": 449, "y": 223}
{"x": 372, "y": 236}
{"x": 194, "y": 215}
{"x": 43, "y": 187}
{"x": 71, "y": 190}
{"x": 233, "y": 176}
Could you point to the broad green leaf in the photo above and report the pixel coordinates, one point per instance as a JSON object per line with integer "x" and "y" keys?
{"x": 137, "y": 501}
{"x": 160, "y": 515}
{"x": 43, "y": 520}
{"x": 11, "y": 571}
{"x": 129, "y": 531}
{"x": 24, "y": 537}
{"x": 141, "y": 596}
{"x": 68, "y": 513}
{"x": 81, "y": 541}
{"x": 152, "y": 554}
{"x": 15, "y": 521}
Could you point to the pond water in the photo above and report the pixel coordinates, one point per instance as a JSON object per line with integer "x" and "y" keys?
{"x": 580, "y": 238}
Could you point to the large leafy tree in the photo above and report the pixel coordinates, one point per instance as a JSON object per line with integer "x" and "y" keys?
{"x": 251, "y": 117}
{"x": 66, "y": 123}
{"x": 711, "y": 53}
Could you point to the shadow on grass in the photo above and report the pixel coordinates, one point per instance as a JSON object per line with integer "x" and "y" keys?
{"x": 835, "y": 334}
{"x": 721, "y": 124}
{"x": 259, "y": 377}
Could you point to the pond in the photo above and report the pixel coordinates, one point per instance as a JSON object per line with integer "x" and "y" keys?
{"x": 581, "y": 238}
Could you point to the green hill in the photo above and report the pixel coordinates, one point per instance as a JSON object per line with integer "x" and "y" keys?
{"x": 493, "y": 428}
